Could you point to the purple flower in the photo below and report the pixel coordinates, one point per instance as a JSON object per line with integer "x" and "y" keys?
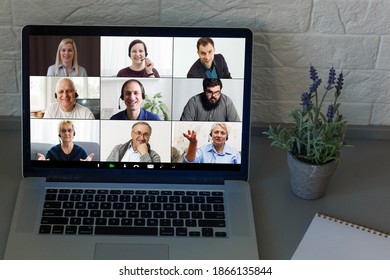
{"x": 314, "y": 86}
{"x": 313, "y": 73}
{"x": 332, "y": 77}
{"x": 306, "y": 100}
{"x": 339, "y": 83}
{"x": 330, "y": 113}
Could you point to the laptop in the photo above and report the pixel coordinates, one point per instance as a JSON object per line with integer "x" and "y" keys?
{"x": 102, "y": 205}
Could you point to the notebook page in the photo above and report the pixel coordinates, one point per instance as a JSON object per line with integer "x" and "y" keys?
{"x": 332, "y": 238}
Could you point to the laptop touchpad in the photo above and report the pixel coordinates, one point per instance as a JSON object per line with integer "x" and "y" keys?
{"x": 107, "y": 251}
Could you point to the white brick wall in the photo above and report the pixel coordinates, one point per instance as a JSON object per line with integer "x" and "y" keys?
{"x": 352, "y": 35}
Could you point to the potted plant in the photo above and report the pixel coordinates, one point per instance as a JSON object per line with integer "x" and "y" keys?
{"x": 156, "y": 106}
{"x": 315, "y": 141}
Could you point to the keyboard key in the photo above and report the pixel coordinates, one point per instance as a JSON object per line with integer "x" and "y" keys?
{"x": 88, "y": 221}
{"x": 105, "y": 205}
{"x": 178, "y": 223}
{"x": 101, "y": 221}
{"x": 216, "y": 199}
{"x": 102, "y": 191}
{"x": 165, "y": 223}
{"x": 126, "y": 230}
{"x": 207, "y": 232}
{"x": 85, "y": 229}
{"x": 75, "y": 221}
{"x": 184, "y": 215}
{"x": 75, "y": 197}
{"x": 112, "y": 198}
{"x": 214, "y": 215}
{"x": 63, "y": 197}
{"x": 70, "y": 229}
{"x": 95, "y": 213}
{"x": 190, "y": 223}
{"x": 171, "y": 215}
{"x": 81, "y": 205}
{"x": 152, "y": 222}
{"x": 120, "y": 214}
{"x": 93, "y": 205}
{"x": 51, "y": 190}
{"x": 118, "y": 206}
{"x": 58, "y": 230}
{"x": 113, "y": 222}
{"x": 70, "y": 213}
{"x": 108, "y": 213}
{"x": 52, "y": 204}
{"x": 181, "y": 207}
{"x": 168, "y": 206}
{"x": 68, "y": 205}
{"x": 180, "y": 231}
{"x": 139, "y": 222}
{"x": 212, "y": 223}
{"x": 82, "y": 213}
{"x": 100, "y": 197}
{"x": 53, "y": 212}
{"x": 133, "y": 214}
{"x": 167, "y": 231}
{"x": 87, "y": 197}
{"x": 54, "y": 221}
{"x": 90, "y": 191}
{"x": 45, "y": 229}
{"x": 126, "y": 222}
{"x": 146, "y": 214}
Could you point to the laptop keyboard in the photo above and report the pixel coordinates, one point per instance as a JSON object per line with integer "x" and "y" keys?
{"x": 133, "y": 212}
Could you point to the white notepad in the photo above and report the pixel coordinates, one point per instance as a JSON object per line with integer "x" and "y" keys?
{"x": 330, "y": 238}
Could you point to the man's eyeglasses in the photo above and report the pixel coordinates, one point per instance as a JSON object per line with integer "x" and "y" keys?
{"x": 139, "y": 133}
{"x": 69, "y": 130}
{"x": 215, "y": 93}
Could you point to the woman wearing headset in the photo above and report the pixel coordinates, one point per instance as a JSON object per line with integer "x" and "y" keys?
{"x": 141, "y": 65}
{"x": 66, "y": 150}
{"x": 217, "y": 151}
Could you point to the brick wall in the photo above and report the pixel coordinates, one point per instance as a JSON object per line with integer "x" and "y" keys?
{"x": 352, "y": 35}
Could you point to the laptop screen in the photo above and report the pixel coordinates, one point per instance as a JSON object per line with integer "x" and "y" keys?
{"x": 136, "y": 103}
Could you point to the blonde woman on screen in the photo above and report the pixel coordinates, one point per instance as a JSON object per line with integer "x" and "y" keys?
{"x": 66, "y": 64}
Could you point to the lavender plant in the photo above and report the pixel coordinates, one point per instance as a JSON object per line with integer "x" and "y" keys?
{"x": 317, "y": 136}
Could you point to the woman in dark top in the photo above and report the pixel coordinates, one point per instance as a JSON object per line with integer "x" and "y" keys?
{"x": 66, "y": 150}
{"x": 141, "y": 65}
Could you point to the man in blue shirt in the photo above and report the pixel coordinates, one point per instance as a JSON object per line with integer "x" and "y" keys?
{"x": 133, "y": 93}
{"x": 215, "y": 152}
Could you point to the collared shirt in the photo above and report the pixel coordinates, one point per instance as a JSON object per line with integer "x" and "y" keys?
{"x": 62, "y": 71}
{"x": 208, "y": 154}
{"x": 144, "y": 115}
{"x": 131, "y": 155}
{"x": 210, "y": 72}
{"x": 195, "y": 111}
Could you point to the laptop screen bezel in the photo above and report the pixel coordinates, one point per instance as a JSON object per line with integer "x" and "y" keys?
{"x": 186, "y": 175}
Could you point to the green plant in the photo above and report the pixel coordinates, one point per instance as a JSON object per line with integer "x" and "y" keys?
{"x": 315, "y": 138}
{"x": 156, "y": 106}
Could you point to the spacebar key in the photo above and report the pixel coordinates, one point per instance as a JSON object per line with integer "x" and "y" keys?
{"x": 126, "y": 230}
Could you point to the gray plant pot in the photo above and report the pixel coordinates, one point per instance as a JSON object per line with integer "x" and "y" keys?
{"x": 309, "y": 181}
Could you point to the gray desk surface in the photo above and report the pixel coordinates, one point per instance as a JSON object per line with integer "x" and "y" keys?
{"x": 359, "y": 191}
